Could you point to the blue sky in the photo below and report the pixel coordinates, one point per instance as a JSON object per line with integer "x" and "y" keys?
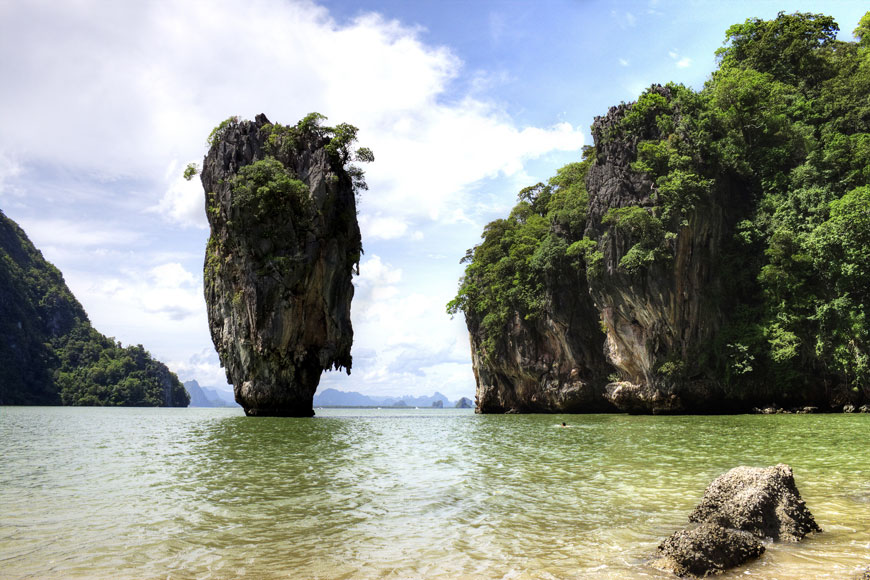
{"x": 463, "y": 103}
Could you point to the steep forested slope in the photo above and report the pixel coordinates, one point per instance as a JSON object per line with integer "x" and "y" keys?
{"x": 50, "y": 354}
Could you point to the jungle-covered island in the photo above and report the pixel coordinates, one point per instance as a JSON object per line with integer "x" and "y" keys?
{"x": 49, "y": 352}
{"x": 710, "y": 253}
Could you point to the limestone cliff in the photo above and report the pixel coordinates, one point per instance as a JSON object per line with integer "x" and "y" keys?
{"x": 720, "y": 239}
{"x": 652, "y": 279}
{"x": 284, "y": 243}
{"x": 551, "y": 363}
{"x": 661, "y": 318}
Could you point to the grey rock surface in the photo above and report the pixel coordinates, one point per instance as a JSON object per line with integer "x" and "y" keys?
{"x": 762, "y": 501}
{"x": 740, "y": 508}
{"x": 671, "y": 309}
{"x": 707, "y": 549}
{"x": 554, "y": 363}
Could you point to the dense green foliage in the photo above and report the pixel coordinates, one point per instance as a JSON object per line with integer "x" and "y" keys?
{"x": 782, "y": 132}
{"x": 793, "y": 107}
{"x": 520, "y": 257}
{"x": 190, "y": 171}
{"x": 217, "y": 134}
{"x": 283, "y": 140}
{"x": 267, "y": 192}
{"x": 50, "y": 354}
{"x": 267, "y": 186}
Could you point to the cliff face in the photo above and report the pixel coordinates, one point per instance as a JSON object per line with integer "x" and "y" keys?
{"x": 50, "y": 354}
{"x": 552, "y": 363}
{"x": 284, "y": 243}
{"x": 661, "y": 318}
{"x": 633, "y": 329}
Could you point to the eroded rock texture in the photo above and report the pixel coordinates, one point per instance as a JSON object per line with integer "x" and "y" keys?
{"x": 764, "y": 501}
{"x": 657, "y": 319}
{"x": 553, "y": 363}
{"x": 707, "y": 549}
{"x": 739, "y": 509}
{"x": 284, "y": 242}
{"x": 668, "y": 311}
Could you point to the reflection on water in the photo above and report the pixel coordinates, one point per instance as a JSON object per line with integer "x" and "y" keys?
{"x": 207, "y": 493}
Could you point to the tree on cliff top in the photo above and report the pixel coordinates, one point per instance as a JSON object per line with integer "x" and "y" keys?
{"x": 520, "y": 257}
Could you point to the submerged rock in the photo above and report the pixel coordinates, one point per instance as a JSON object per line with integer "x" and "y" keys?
{"x": 284, "y": 243}
{"x": 739, "y": 509}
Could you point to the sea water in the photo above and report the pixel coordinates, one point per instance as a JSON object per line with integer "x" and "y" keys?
{"x": 403, "y": 493}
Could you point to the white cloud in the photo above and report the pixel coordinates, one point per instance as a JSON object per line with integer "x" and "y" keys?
{"x": 624, "y": 19}
{"x": 402, "y": 338}
{"x": 183, "y": 202}
{"x": 9, "y": 168}
{"x": 377, "y": 281}
{"x": 176, "y": 70}
{"x": 683, "y": 62}
{"x": 379, "y": 227}
{"x": 64, "y": 234}
{"x": 624, "y": 62}
{"x": 203, "y": 366}
{"x": 164, "y": 294}
{"x": 471, "y": 142}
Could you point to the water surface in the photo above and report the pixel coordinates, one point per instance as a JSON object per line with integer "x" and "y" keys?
{"x": 402, "y": 493}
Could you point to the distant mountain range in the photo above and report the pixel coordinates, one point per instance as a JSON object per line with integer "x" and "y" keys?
{"x": 336, "y": 398}
{"x": 208, "y": 396}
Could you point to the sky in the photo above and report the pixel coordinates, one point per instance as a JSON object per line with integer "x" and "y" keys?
{"x": 103, "y": 104}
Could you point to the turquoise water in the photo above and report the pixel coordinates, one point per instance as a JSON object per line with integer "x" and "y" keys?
{"x": 402, "y": 493}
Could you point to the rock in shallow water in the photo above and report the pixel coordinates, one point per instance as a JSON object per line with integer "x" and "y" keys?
{"x": 738, "y": 510}
{"x": 707, "y": 549}
{"x": 762, "y": 501}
